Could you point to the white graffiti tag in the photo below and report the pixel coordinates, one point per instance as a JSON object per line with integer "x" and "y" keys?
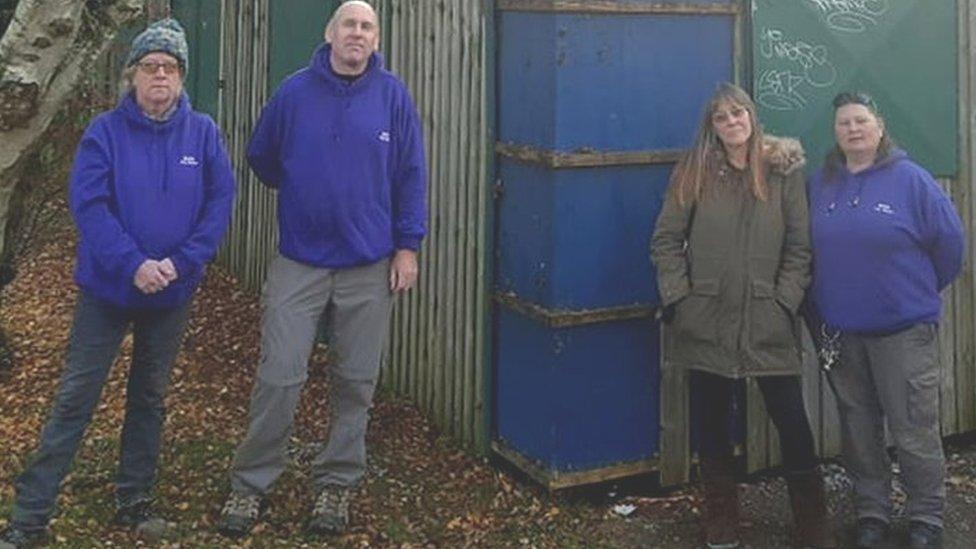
{"x": 808, "y": 66}
{"x": 853, "y": 16}
{"x": 780, "y": 90}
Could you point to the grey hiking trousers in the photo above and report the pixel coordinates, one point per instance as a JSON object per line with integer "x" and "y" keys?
{"x": 358, "y": 300}
{"x": 895, "y": 379}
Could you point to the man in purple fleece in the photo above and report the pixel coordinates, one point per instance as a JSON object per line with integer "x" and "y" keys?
{"x": 151, "y": 193}
{"x": 340, "y": 141}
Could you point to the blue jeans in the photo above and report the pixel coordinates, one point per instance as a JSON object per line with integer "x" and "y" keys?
{"x": 96, "y": 334}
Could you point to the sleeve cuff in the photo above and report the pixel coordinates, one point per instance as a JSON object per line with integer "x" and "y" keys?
{"x": 184, "y": 267}
{"x": 674, "y": 292}
{"x": 790, "y": 300}
{"x": 133, "y": 265}
{"x": 407, "y": 243}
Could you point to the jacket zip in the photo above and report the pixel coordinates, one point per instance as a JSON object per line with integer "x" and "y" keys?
{"x": 745, "y": 331}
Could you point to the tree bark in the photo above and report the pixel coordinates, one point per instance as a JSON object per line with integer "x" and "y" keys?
{"x": 157, "y": 9}
{"x": 45, "y": 53}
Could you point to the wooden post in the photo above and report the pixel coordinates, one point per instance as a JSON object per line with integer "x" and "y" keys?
{"x": 964, "y": 386}
{"x": 757, "y": 429}
{"x": 675, "y": 421}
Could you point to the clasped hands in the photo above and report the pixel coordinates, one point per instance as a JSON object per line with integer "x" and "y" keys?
{"x": 154, "y": 276}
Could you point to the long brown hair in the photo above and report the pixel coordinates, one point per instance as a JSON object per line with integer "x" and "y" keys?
{"x": 701, "y": 164}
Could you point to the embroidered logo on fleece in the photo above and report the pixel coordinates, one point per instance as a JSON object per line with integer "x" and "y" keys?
{"x": 881, "y": 207}
{"x": 189, "y": 160}
{"x": 384, "y": 136}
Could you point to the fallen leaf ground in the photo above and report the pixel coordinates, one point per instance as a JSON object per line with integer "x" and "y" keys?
{"x": 421, "y": 490}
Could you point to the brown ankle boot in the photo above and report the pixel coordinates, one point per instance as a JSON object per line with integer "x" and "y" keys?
{"x": 813, "y": 527}
{"x": 721, "y": 503}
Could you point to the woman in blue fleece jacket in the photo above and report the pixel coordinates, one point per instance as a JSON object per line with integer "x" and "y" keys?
{"x": 886, "y": 241}
{"x": 151, "y": 193}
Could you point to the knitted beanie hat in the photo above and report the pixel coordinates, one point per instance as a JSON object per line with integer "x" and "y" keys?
{"x": 165, "y": 35}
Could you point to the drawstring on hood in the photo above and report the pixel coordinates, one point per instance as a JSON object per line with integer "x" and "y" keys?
{"x": 844, "y": 176}
{"x": 136, "y": 116}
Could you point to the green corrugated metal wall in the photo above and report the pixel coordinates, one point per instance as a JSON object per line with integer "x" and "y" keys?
{"x": 202, "y": 21}
{"x": 297, "y": 27}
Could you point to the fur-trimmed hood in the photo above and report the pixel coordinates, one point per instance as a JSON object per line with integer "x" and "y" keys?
{"x": 735, "y": 318}
{"x": 783, "y": 155}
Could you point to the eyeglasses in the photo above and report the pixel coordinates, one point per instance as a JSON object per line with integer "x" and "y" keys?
{"x": 152, "y": 67}
{"x": 721, "y": 117}
{"x": 855, "y": 98}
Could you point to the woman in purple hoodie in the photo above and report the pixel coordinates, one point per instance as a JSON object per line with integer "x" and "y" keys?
{"x": 886, "y": 241}
{"x": 151, "y": 193}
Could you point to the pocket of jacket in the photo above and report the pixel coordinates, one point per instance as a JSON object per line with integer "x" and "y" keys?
{"x": 696, "y": 315}
{"x": 707, "y": 287}
{"x": 771, "y": 324}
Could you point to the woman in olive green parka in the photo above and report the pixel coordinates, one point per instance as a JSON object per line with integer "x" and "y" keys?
{"x": 732, "y": 252}
{"x": 737, "y": 274}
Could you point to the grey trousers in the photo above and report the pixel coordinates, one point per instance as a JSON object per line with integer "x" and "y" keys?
{"x": 893, "y": 378}
{"x": 295, "y": 296}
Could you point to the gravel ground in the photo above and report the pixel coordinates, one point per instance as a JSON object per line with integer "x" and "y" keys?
{"x": 673, "y": 520}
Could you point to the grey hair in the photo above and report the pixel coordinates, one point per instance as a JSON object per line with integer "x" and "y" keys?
{"x": 126, "y": 79}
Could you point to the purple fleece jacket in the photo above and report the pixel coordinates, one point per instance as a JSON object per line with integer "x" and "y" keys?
{"x": 348, "y": 162}
{"x": 142, "y": 189}
{"x": 885, "y": 242}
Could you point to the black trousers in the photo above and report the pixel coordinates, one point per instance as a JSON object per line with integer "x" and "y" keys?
{"x": 783, "y": 396}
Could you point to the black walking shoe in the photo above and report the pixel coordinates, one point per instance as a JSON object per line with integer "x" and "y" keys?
{"x": 15, "y": 538}
{"x": 924, "y": 536}
{"x": 330, "y": 516}
{"x": 239, "y": 515}
{"x": 871, "y": 532}
{"x": 139, "y": 517}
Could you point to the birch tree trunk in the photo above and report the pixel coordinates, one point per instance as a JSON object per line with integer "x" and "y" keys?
{"x": 46, "y": 51}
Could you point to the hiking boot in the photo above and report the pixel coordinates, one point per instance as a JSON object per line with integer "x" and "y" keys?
{"x": 721, "y": 503}
{"x": 924, "y": 536}
{"x": 809, "y": 502}
{"x": 139, "y": 517}
{"x": 330, "y": 516}
{"x": 15, "y": 538}
{"x": 871, "y": 532}
{"x": 239, "y": 514}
